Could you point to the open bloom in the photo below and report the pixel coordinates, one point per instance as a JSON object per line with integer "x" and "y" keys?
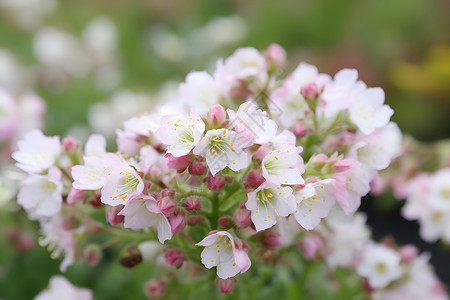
{"x": 368, "y": 112}
{"x": 142, "y": 212}
{"x": 283, "y": 165}
{"x": 200, "y": 90}
{"x": 222, "y": 251}
{"x": 95, "y": 145}
{"x": 40, "y": 195}
{"x": 380, "y": 265}
{"x": 268, "y": 202}
{"x": 61, "y": 288}
{"x": 121, "y": 182}
{"x": 314, "y": 202}
{"x": 224, "y": 148}
{"x": 179, "y": 133}
{"x": 253, "y": 122}
{"x": 37, "y": 152}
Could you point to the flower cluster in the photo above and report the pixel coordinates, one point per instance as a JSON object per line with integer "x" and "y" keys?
{"x": 242, "y": 162}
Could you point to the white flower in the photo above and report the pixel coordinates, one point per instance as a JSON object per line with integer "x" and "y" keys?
{"x": 95, "y": 145}
{"x": 37, "y": 152}
{"x": 144, "y": 125}
{"x": 314, "y": 202}
{"x": 244, "y": 63}
{"x": 200, "y": 91}
{"x": 143, "y": 212}
{"x": 268, "y": 202}
{"x": 90, "y": 175}
{"x": 380, "y": 265}
{"x": 61, "y": 288}
{"x": 40, "y": 195}
{"x": 224, "y": 148}
{"x": 283, "y": 165}
{"x": 179, "y": 133}
{"x": 253, "y": 122}
{"x": 222, "y": 251}
{"x": 378, "y": 149}
{"x": 121, "y": 182}
{"x": 368, "y": 112}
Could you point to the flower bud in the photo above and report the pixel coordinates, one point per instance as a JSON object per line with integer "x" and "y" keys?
{"x": 310, "y": 91}
{"x": 174, "y": 257}
{"x": 155, "y": 288}
{"x": 75, "y": 196}
{"x": 225, "y": 221}
{"x": 261, "y": 153}
{"x": 194, "y": 220}
{"x": 276, "y": 55}
{"x": 408, "y": 253}
{"x": 177, "y": 223}
{"x": 178, "y": 163}
{"x": 299, "y": 130}
{"x": 70, "y": 145}
{"x": 216, "y": 182}
{"x": 131, "y": 257}
{"x": 254, "y": 179}
{"x": 216, "y": 115}
{"x": 310, "y": 245}
{"x": 239, "y": 91}
{"x": 197, "y": 168}
{"x": 242, "y": 218}
{"x": 167, "y": 206}
{"x": 96, "y": 201}
{"x": 271, "y": 239}
{"x": 167, "y": 193}
{"x": 92, "y": 253}
{"x": 192, "y": 203}
{"x": 112, "y": 215}
{"x": 226, "y": 285}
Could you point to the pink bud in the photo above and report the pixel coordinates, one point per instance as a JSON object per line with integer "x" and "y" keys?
{"x": 194, "y": 220}
{"x": 174, "y": 257}
{"x": 225, "y": 221}
{"x": 254, "y": 179}
{"x": 177, "y": 223}
{"x": 271, "y": 239}
{"x": 239, "y": 91}
{"x": 299, "y": 130}
{"x": 192, "y": 203}
{"x": 69, "y": 222}
{"x": 276, "y": 55}
{"x": 310, "y": 91}
{"x": 96, "y": 201}
{"x": 167, "y": 206}
{"x": 261, "y": 153}
{"x": 226, "y": 285}
{"x": 408, "y": 253}
{"x": 342, "y": 166}
{"x": 70, "y": 145}
{"x": 155, "y": 288}
{"x": 216, "y": 182}
{"x": 75, "y": 196}
{"x": 216, "y": 115}
{"x": 92, "y": 253}
{"x": 242, "y": 218}
{"x": 310, "y": 245}
{"x": 168, "y": 193}
{"x": 197, "y": 168}
{"x": 178, "y": 163}
{"x": 112, "y": 215}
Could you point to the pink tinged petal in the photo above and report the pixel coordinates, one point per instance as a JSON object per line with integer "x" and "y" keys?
{"x": 242, "y": 260}
{"x": 137, "y": 216}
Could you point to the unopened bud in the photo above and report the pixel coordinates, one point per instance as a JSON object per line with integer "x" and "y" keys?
{"x": 167, "y": 206}
{"x": 155, "y": 288}
{"x": 92, "y": 253}
{"x": 299, "y": 130}
{"x": 131, "y": 256}
{"x": 276, "y": 55}
{"x": 271, "y": 239}
{"x": 177, "y": 223}
{"x": 197, "y": 168}
{"x": 75, "y": 196}
{"x": 310, "y": 245}
{"x": 70, "y": 145}
{"x": 225, "y": 221}
{"x": 226, "y": 285}
{"x": 112, "y": 215}
{"x": 192, "y": 203}
{"x": 242, "y": 218}
{"x": 174, "y": 257}
{"x": 310, "y": 91}
{"x": 217, "y": 115}
{"x": 178, "y": 163}
{"x": 254, "y": 179}
{"x": 216, "y": 182}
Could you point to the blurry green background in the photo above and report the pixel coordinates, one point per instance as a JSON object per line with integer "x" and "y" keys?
{"x": 402, "y": 46}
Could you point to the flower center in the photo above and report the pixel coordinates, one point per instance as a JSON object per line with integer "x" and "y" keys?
{"x": 49, "y": 187}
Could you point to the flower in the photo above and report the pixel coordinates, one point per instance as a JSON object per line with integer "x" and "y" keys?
{"x": 268, "y": 202}
{"x": 314, "y": 202}
{"x": 223, "y": 148}
{"x": 40, "y": 195}
{"x": 222, "y": 251}
{"x": 61, "y": 288}
{"x": 95, "y": 145}
{"x": 121, "y": 182}
{"x": 253, "y": 122}
{"x": 179, "y": 133}
{"x": 200, "y": 91}
{"x": 283, "y": 165}
{"x": 37, "y": 153}
{"x": 380, "y": 265}
{"x": 143, "y": 212}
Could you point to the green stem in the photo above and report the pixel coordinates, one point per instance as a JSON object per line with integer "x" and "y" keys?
{"x": 215, "y": 211}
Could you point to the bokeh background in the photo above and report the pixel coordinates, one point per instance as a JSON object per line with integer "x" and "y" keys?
{"x": 99, "y": 62}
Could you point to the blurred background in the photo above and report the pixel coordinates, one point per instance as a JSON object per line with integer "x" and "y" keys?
{"x": 97, "y": 63}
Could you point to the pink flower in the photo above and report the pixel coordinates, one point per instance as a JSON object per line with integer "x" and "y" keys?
{"x": 174, "y": 257}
